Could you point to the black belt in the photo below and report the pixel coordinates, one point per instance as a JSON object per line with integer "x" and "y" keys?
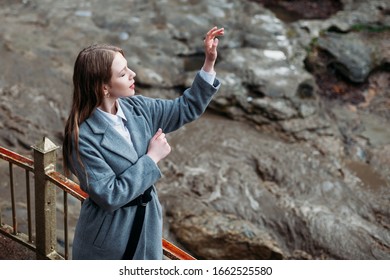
{"x": 135, "y": 233}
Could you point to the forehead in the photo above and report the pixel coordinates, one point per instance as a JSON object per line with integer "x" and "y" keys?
{"x": 118, "y": 63}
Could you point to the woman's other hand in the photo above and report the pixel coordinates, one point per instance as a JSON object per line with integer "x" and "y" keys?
{"x": 158, "y": 146}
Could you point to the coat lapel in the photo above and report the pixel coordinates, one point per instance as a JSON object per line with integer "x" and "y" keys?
{"x": 137, "y": 128}
{"x": 117, "y": 144}
{"x": 111, "y": 139}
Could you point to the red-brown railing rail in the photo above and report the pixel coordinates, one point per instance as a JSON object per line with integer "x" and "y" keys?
{"x": 46, "y": 178}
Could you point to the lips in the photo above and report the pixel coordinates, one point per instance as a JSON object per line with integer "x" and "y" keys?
{"x": 132, "y": 86}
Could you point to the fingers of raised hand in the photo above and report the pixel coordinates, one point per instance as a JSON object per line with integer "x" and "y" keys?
{"x": 214, "y": 32}
{"x": 211, "y": 40}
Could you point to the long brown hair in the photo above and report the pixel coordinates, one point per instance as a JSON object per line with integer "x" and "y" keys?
{"x": 92, "y": 69}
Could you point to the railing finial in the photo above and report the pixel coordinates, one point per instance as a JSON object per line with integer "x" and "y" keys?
{"x": 45, "y": 146}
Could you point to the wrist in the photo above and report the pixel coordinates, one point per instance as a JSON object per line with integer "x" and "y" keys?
{"x": 153, "y": 158}
{"x": 208, "y": 67}
{"x": 209, "y": 70}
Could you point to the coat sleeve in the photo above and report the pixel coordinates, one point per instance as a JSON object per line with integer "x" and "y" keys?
{"x": 172, "y": 114}
{"x": 107, "y": 189}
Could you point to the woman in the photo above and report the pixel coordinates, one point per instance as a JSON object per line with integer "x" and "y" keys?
{"x": 113, "y": 142}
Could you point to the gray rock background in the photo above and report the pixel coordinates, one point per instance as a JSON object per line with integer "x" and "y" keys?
{"x": 292, "y": 159}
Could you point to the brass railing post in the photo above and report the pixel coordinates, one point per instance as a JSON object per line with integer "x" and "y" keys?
{"x": 45, "y": 199}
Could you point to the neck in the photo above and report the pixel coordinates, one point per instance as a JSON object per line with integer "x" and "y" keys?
{"x": 109, "y": 105}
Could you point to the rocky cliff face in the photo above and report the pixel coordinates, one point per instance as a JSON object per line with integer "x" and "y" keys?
{"x": 292, "y": 159}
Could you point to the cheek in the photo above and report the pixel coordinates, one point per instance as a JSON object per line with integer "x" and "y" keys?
{"x": 118, "y": 86}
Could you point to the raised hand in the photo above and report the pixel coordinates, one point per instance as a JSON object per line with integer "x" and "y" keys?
{"x": 158, "y": 146}
{"x": 210, "y": 47}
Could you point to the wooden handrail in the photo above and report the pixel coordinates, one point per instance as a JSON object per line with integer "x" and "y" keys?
{"x": 175, "y": 253}
{"x": 17, "y": 159}
{"x": 67, "y": 185}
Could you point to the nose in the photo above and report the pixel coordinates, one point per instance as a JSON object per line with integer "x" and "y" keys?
{"x": 132, "y": 75}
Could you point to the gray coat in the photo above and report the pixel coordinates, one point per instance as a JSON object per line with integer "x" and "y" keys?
{"x": 115, "y": 173}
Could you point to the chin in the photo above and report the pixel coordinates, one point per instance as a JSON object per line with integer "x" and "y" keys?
{"x": 129, "y": 93}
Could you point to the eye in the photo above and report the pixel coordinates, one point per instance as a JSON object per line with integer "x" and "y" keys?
{"x": 124, "y": 71}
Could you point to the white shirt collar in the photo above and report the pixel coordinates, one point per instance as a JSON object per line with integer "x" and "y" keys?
{"x": 114, "y": 118}
{"x": 119, "y": 112}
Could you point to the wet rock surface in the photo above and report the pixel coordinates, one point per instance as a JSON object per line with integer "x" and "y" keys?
{"x": 292, "y": 159}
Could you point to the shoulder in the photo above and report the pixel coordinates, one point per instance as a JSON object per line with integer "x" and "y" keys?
{"x": 138, "y": 104}
{"x": 84, "y": 129}
{"x": 87, "y": 137}
{"x": 135, "y": 101}
{"x": 92, "y": 126}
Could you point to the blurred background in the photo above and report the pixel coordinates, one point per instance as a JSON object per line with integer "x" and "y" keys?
{"x": 292, "y": 158}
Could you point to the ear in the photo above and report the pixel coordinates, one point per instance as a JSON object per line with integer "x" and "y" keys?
{"x": 106, "y": 87}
